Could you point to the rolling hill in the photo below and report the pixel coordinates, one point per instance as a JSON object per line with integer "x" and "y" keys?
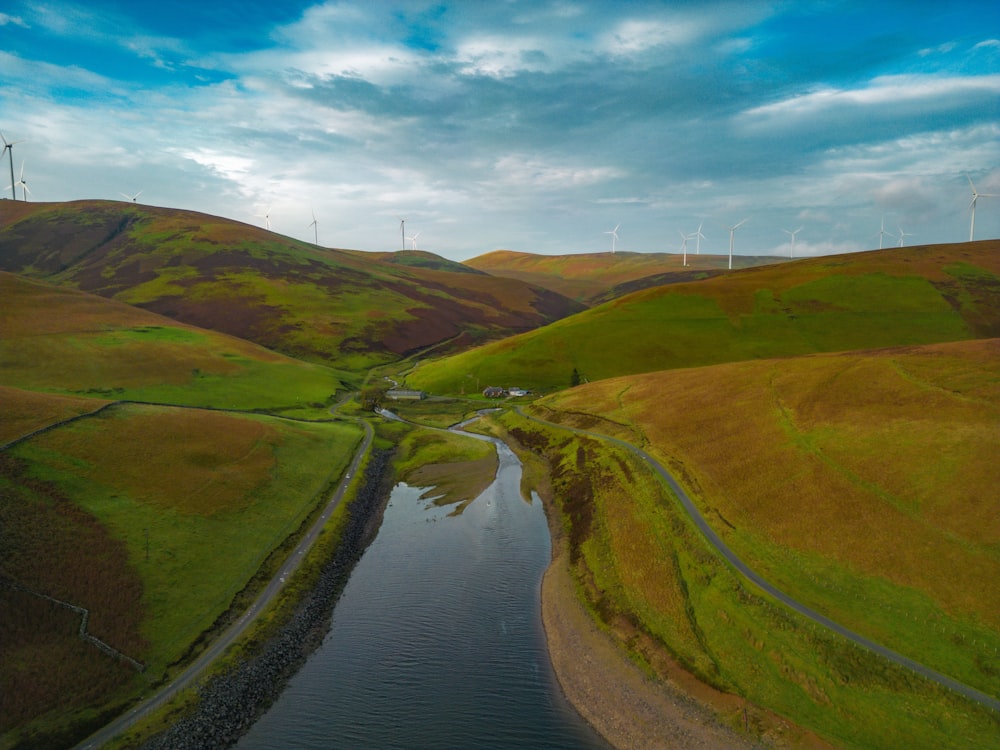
{"x": 911, "y": 295}
{"x": 153, "y": 516}
{"x": 597, "y": 277}
{"x": 353, "y": 310}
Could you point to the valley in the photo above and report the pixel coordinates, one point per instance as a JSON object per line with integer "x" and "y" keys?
{"x": 180, "y": 393}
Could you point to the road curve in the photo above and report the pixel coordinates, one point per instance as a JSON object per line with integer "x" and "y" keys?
{"x": 723, "y": 549}
{"x": 188, "y": 677}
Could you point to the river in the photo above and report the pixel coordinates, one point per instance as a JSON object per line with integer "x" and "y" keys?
{"x": 436, "y": 641}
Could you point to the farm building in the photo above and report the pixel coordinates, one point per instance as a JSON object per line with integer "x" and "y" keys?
{"x": 492, "y": 391}
{"x": 398, "y": 394}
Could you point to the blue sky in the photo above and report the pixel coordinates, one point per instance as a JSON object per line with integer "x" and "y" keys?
{"x": 531, "y": 126}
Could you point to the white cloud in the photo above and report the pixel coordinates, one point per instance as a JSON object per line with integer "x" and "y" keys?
{"x": 8, "y": 20}
{"x": 881, "y": 91}
{"x": 518, "y": 170}
{"x": 634, "y": 36}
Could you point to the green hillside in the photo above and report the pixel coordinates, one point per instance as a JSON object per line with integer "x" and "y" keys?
{"x": 881, "y": 298}
{"x": 349, "y": 309}
{"x": 61, "y": 341}
{"x": 152, "y": 516}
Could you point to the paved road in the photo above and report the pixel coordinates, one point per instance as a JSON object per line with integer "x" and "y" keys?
{"x": 188, "y": 677}
{"x": 723, "y": 549}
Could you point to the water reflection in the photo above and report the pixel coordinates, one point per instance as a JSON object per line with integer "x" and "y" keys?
{"x": 436, "y": 641}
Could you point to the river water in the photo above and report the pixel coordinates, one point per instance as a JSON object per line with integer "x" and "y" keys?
{"x": 436, "y": 641}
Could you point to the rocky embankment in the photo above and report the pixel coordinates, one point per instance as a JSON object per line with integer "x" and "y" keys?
{"x": 231, "y": 702}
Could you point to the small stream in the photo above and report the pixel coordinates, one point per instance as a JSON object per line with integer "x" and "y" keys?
{"x": 437, "y": 640}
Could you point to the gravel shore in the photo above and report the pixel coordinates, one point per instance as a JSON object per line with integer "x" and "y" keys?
{"x": 633, "y": 711}
{"x": 626, "y": 707}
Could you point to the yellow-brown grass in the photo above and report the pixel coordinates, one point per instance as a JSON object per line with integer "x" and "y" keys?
{"x": 883, "y": 461}
{"x": 183, "y": 468}
{"x": 26, "y": 411}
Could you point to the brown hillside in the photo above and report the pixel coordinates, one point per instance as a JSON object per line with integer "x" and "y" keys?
{"x": 881, "y": 461}
{"x": 287, "y": 295}
{"x": 596, "y": 277}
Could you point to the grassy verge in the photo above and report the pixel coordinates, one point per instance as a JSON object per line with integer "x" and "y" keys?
{"x": 652, "y": 581}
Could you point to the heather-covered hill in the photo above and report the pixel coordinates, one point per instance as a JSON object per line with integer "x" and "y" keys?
{"x": 597, "y": 277}
{"x": 912, "y": 295}
{"x": 350, "y": 309}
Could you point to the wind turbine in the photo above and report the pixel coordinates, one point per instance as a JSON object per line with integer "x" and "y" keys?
{"x": 402, "y": 230}
{"x": 614, "y": 237}
{"x": 881, "y": 233}
{"x": 699, "y": 237}
{"x": 24, "y": 185}
{"x": 791, "y": 251}
{"x": 9, "y": 147}
{"x": 130, "y": 197}
{"x": 315, "y": 227}
{"x": 684, "y": 246}
{"x": 732, "y": 231}
{"x": 266, "y": 216}
{"x": 975, "y": 197}
{"x": 903, "y": 234}
{"x": 413, "y": 241}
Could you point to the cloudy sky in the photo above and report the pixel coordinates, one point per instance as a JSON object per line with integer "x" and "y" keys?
{"x": 532, "y": 126}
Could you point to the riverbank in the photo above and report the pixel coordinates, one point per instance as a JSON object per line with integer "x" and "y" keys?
{"x": 633, "y": 711}
{"x": 628, "y": 708}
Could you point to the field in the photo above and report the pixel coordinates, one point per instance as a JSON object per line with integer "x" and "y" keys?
{"x": 153, "y": 518}
{"x": 857, "y": 482}
{"x": 836, "y": 303}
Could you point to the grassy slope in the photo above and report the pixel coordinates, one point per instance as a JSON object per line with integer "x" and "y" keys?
{"x": 215, "y": 490}
{"x": 59, "y": 340}
{"x": 346, "y": 307}
{"x": 835, "y": 303}
{"x": 589, "y": 276}
{"x": 858, "y": 483}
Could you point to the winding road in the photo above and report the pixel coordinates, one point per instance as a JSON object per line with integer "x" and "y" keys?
{"x": 188, "y": 677}
{"x": 723, "y": 549}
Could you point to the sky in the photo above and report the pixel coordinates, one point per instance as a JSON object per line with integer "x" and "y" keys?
{"x": 529, "y": 126}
